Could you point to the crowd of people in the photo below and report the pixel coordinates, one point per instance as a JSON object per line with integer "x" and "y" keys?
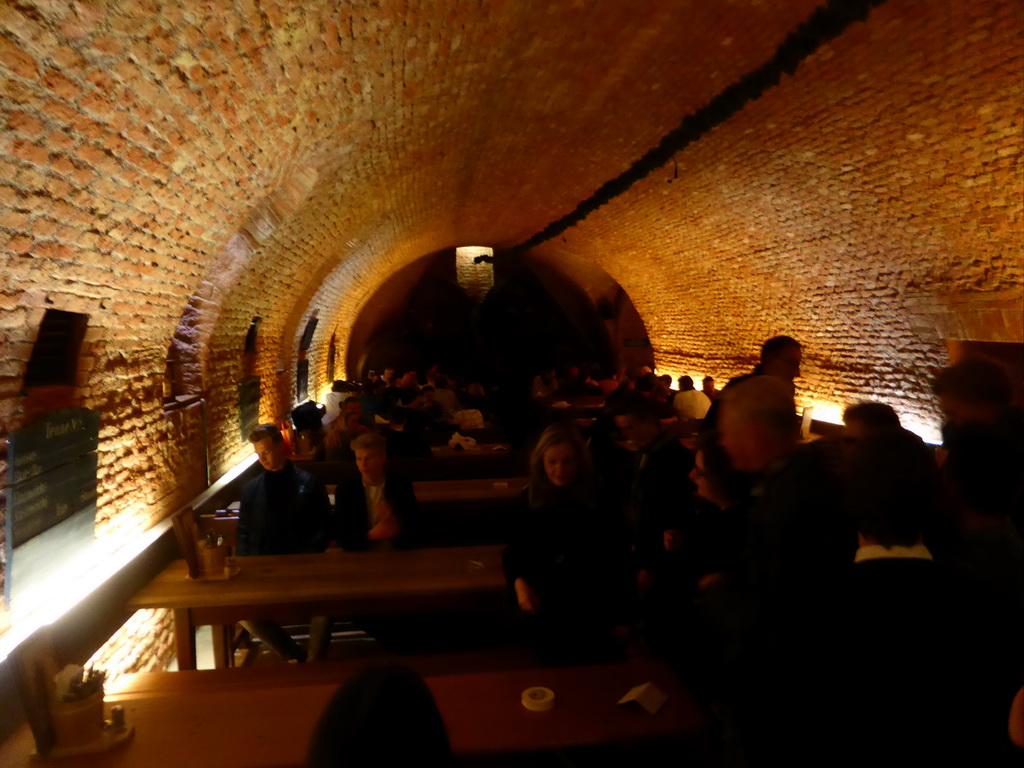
{"x": 854, "y": 600}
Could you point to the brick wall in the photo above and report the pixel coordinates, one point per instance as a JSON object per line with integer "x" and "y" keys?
{"x": 271, "y": 159}
{"x": 887, "y": 169}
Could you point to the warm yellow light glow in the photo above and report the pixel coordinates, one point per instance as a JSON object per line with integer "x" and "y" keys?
{"x": 79, "y": 575}
{"x": 71, "y": 582}
{"x": 832, "y": 413}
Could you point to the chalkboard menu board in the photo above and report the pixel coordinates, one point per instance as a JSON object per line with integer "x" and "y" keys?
{"x": 248, "y": 405}
{"x": 51, "y": 493}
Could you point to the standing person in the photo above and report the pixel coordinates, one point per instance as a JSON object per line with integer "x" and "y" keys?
{"x": 906, "y": 662}
{"x": 659, "y": 511}
{"x": 566, "y": 562}
{"x": 796, "y": 525}
{"x": 283, "y": 511}
{"x": 707, "y": 386}
{"x": 781, "y": 357}
{"x": 658, "y": 500}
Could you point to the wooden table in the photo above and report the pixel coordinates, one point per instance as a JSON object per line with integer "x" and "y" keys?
{"x": 480, "y": 448}
{"x": 470, "y": 490}
{"x": 263, "y": 718}
{"x": 334, "y": 583}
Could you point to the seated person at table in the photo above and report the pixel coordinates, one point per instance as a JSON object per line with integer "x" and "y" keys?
{"x": 566, "y": 560}
{"x": 284, "y": 511}
{"x": 688, "y": 402}
{"x": 378, "y": 509}
{"x": 383, "y": 716}
{"x": 341, "y": 433}
{"x": 544, "y": 384}
{"x": 429, "y": 408}
{"x": 333, "y": 401}
{"x": 353, "y": 404}
{"x": 406, "y": 438}
{"x": 445, "y": 396}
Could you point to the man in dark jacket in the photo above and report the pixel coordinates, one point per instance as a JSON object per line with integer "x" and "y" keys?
{"x": 376, "y": 510}
{"x": 284, "y": 511}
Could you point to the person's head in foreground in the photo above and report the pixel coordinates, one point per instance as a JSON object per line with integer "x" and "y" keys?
{"x": 892, "y": 487}
{"x": 757, "y": 424}
{"x": 973, "y": 390}
{"x": 862, "y": 419}
{"x": 383, "y": 716}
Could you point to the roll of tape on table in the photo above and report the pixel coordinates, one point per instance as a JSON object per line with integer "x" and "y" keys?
{"x": 538, "y": 699}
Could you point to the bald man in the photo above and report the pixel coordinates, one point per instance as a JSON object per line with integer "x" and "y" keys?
{"x": 798, "y": 532}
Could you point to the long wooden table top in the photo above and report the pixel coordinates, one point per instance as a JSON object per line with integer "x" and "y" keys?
{"x": 478, "y": 450}
{"x": 331, "y": 576}
{"x": 468, "y": 490}
{"x": 236, "y": 719}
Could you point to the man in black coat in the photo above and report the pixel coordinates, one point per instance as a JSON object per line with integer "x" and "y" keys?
{"x": 378, "y": 509}
{"x": 907, "y": 663}
{"x": 284, "y": 511}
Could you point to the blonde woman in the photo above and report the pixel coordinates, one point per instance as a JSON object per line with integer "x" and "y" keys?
{"x": 566, "y": 562}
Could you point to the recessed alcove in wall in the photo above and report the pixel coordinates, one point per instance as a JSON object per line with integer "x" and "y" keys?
{"x": 537, "y": 314}
{"x": 54, "y": 359}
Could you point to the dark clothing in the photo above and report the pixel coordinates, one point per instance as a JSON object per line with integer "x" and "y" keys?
{"x": 993, "y": 558}
{"x": 660, "y": 497}
{"x": 573, "y": 556}
{"x": 371, "y": 405}
{"x": 283, "y": 513}
{"x": 798, "y": 537}
{"x": 905, "y": 665}
{"x": 354, "y": 520}
{"x": 409, "y": 443}
{"x": 715, "y": 540}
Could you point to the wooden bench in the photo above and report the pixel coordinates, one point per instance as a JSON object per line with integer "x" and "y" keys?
{"x": 455, "y": 512}
{"x": 473, "y": 464}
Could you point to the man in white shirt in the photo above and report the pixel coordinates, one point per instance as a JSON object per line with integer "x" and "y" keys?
{"x": 689, "y": 402}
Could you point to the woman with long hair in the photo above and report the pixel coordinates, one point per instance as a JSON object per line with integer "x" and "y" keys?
{"x": 566, "y": 561}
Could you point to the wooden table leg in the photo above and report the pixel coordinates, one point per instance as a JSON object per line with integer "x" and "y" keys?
{"x": 184, "y": 638}
{"x": 223, "y": 634}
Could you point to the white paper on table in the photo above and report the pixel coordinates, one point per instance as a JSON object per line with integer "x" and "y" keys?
{"x": 647, "y": 695}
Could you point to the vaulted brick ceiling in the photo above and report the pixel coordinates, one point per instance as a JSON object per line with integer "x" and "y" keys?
{"x": 275, "y": 158}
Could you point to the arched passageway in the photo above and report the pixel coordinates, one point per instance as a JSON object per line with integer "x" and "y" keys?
{"x": 847, "y": 173}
